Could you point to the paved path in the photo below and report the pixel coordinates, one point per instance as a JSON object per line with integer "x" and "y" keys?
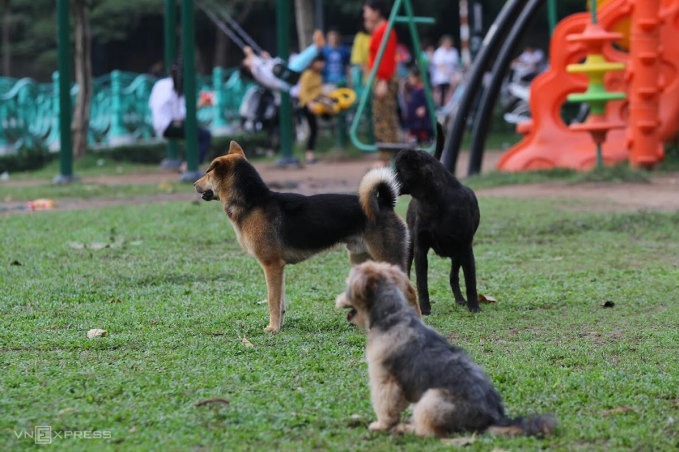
{"x": 343, "y": 176}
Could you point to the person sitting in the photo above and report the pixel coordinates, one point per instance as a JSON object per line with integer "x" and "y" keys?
{"x": 528, "y": 64}
{"x": 168, "y": 111}
{"x": 273, "y": 72}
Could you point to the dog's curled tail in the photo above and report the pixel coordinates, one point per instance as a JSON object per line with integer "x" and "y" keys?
{"x": 530, "y": 425}
{"x": 377, "y": 191}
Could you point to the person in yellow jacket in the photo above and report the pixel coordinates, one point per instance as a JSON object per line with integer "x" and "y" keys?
{"x": 310, "y": 93}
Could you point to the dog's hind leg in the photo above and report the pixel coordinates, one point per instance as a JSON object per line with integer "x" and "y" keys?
{"x": 274, "y": 273}
{"x": 455, "y": 281}
{"x": 433, "y": 413}
{"x": 411, "y": 255}
{"x": 469, "y": 268}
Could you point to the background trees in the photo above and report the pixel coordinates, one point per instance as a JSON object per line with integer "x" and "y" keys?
{"x": 128, "y": 34}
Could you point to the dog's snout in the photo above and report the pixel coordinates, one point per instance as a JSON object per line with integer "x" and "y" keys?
{"x": 208, "y": 195}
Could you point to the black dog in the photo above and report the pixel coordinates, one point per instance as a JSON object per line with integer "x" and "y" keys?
{"x": 443, "y": 215}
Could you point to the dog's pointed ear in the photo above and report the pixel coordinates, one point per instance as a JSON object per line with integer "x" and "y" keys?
{"x": 213, "y": 166}
{"x": 235, "y": 149}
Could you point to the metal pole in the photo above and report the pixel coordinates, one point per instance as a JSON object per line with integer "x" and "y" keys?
{"x": 552, "y": 16}
{"x": 285, "y": 110}
{"x": 64, "y": 65}
{"x": 491, "y": 42}
{"x": 171, "y": 159}
{"x": 189, "y": 72}
{"x": 488, "y": 98}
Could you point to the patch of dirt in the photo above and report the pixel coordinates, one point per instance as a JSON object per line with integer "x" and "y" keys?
{"x": 343, "y": 176}
{"x": 662, "y": 193}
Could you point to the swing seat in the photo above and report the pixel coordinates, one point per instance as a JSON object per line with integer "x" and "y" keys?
{"x": 340, "y": 99}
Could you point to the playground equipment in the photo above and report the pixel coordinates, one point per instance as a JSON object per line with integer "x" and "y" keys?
{"x": 394, "y": 18}
{"x": 595, "y": 67}
{"x": 505, "y": 32}
{"x": 339, "y": 100}
{"x": 648, "y": 118}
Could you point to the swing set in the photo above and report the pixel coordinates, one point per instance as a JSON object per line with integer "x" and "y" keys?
{"x": 394, "y": 18}
{"x": 343, "y": 98}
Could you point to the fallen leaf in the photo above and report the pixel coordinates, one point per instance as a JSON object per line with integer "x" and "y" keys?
{"x": 486, "y": 299}
{"x": 213, "y": 401}
{"x": 115, "y": 300}
{"x": 459, "y": 442}
{"x": 95, "y": 332}
{"x": 246, "y": 342}
{"x": 620, "y": 409}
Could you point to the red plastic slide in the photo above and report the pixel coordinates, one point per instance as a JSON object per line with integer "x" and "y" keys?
{"x": 550, "y": 143}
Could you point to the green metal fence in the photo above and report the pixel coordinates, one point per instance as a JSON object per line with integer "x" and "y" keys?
{"x": 119, "y": 112}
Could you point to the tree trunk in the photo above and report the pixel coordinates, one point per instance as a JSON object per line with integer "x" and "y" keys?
{"x": 6, "y": 43}
{"x": 305, "y": 18}
{"x": 83, "y": 77}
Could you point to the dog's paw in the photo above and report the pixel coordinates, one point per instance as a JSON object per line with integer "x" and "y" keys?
{"x": 474, "y": 308}
{"x": 404, "y": 429}
{"x": 378, "y": 426}
{"x": 272, "y": 329}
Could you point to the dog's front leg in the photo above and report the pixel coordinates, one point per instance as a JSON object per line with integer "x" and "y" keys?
{"x": 421, "y": 269}
{"x": 388, "y": 403}
{"x": 275, "y": 274}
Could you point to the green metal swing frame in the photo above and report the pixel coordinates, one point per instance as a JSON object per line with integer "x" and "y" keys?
{"x": 412, "y": 21}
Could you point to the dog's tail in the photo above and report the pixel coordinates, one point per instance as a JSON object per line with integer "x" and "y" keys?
{"x": 377, "y": 191}
{"x": 440, "y": 140}
{"x": 542, "y": 425}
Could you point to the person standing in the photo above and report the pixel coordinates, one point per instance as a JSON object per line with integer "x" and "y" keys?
{"x": 445, "y": 64}
{"x": 336, "y": 60}
{"x": 385, "y": 87}
{"x": 310, "y": 91}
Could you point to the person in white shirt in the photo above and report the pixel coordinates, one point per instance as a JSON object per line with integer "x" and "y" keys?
{"x": 168, "y": 111}
{"x": 528, "y": 64}
{"x": 444, "y": 68}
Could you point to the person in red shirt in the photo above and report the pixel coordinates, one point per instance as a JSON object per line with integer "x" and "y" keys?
{"x": 385, "y": 87}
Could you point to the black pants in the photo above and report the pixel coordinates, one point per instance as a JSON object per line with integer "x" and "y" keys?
{"x": 443, "y": 90}
{"x": 176, "y": 131}
{"x": 313, "y": 128}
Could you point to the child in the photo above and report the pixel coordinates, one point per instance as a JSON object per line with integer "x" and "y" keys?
{"x": 311, "y": 92}
{"x": 417, "y": 120}
{"x": 272, "y": 72}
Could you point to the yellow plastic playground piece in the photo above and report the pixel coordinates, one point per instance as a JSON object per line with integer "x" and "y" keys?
{"x": 338, "y": 100}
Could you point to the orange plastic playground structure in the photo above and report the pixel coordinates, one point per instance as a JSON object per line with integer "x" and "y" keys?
{"x": 649, "y": 114}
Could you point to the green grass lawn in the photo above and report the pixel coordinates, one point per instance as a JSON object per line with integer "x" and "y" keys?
{"x": 182, "y": 304}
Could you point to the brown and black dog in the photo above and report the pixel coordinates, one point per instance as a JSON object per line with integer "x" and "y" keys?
{"x": 287, "y": 228}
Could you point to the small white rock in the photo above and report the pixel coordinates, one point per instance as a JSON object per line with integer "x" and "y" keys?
{"x": 95, "y": 332}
